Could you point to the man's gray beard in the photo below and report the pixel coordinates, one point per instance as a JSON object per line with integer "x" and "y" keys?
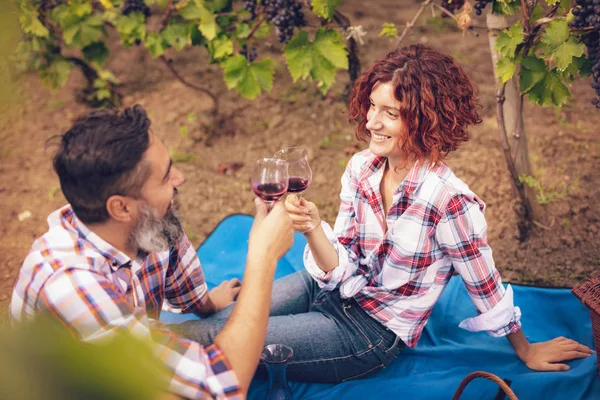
{"x": 154, "y": 234}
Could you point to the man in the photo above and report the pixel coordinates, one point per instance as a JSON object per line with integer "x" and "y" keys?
{"x": 118, "y": 251}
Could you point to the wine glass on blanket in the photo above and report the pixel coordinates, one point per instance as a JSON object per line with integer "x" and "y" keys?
{"x": 270, "y": 179}
{"x": 300, "y": 174}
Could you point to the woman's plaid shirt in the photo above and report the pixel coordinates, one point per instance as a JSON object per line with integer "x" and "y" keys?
{"x": 88, "y": 285}
{"x": 435, "y": 227}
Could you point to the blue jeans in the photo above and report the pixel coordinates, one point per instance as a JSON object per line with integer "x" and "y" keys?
{"x": 333, "y": 339}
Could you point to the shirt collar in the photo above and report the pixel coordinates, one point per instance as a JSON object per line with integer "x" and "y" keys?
{"x": 416, "y": 176}
{"x": 66, "y": 218}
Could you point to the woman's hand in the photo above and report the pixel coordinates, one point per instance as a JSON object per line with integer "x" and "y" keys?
{"x": 304, "y": 214}
{"x": 546, "y": 356}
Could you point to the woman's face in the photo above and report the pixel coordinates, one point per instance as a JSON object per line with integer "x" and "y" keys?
{"x": 384, "y": 122}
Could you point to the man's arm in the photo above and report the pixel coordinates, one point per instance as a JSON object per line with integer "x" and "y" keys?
{"x": 94, "y": 309}
{"x": 185, "y": 286}
{"x": 243, "y": 336}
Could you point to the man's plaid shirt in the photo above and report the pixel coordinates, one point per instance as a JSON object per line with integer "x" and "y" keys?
{"x": 435, "y": 227}
{"x": 95, "y": 290}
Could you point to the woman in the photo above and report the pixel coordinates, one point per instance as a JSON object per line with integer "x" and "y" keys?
{"x": 405, "y": 224}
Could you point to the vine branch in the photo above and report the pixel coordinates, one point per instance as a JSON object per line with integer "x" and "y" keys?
{"x": 410, "y": 24}
{"x": 191, "y": 85}
{"x": 507, "y": 155}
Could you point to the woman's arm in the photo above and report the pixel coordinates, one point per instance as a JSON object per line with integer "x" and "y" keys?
{"x": 305, "y": 217}
{"x": 461, "y": 234}
{"x": 546, "y": 356}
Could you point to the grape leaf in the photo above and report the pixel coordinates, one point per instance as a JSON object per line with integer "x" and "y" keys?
{"x": 533, "y": 70}
{"x": 556, "y": 33}
{"x": 563, "y": 55}
{"x": 107, "y": 4}
{"x": 56, "y": 74}
{"x": 178, "y": 35}
{"x": 80, "y": 8}
{"x": 248, "y": 79}
{"x": 219, "y": 5}
{"x": 208, "y": 23}
{"x": 325, "y": 8}
{"x": 220, "y": 47}
{"x": 536, "y": 13}
{"x": 156, "y": 44}
{"x": 549, "y": 91}
{"x": 508, "y": 40}
{"x": 318, "y": 59}
{"x": 506, "y": 68}
{"x": 31, "y": 24}
{"x": 502, "y": 7}
{"x": 552, "y": 2}
{"x": 263, "y": 31}
{"x": 131, "y": 28}
{"x": 191, "y": 11}
{"x": 83, "y": 32}
{"x": 242, "y": 31}
{"x": 96, "y": 52}
{"x": 196, "y": 10}
{"x": 389, "y": 29}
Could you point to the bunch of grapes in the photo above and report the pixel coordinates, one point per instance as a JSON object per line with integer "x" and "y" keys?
{"x": 587, "y": 15}
{"x": 452, "y": 6}
{"x": 250, "y": 6}
{"x": 48, "y": 5}
{"x": 480, "y": 5}
{"x": 285, "y": 15}
{"x": 131, "y": 6}
{"x": 253, "y": 55}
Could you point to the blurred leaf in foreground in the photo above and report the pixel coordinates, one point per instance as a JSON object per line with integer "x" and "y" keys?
{"x": 41, "y": 360}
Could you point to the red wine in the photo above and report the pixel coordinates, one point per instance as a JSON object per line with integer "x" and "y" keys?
{"x": 269, "y": 191}
{"x": 297, "y": 184}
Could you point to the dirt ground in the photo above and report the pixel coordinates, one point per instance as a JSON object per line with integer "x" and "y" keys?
{"x": 564, "y": 147}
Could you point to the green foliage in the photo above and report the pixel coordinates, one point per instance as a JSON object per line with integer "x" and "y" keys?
{"x": 544, "y": 195}
{"x": 222, "y": 27}
{"x": 41, "y": 360}
{"x": 544, "y": 66}
{"x": 325, "y": 8}
{"x": 318, "y": 59}
{"x": 389, "y": 30}
{"x": 248, "y": 78}
{"x": 509, "y": 39}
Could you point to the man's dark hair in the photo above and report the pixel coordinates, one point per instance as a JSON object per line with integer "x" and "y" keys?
{"x": 101, "y": 156}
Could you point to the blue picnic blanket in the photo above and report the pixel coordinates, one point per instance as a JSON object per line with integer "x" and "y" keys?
{"x": 445, "y": 354}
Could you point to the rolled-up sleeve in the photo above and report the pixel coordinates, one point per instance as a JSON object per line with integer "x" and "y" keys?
{"x": 462, "y": 236}
{"x": 343, "y": 237}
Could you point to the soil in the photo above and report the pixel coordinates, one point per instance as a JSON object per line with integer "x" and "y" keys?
{"x": 564, "y": 149}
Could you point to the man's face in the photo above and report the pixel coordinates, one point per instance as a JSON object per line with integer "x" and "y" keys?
{"x": 158, "y": 226}
{"x": 154, "y": 233}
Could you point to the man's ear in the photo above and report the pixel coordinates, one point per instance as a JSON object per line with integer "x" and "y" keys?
{"x": 121, "y": 208}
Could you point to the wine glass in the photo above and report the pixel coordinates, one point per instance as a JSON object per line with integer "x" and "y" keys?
{"x": 300, "y": 174}
{"x": 270, "y": 179}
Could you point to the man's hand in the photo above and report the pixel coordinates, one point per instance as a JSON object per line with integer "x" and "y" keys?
{"x": 271, "y": 235}
{"x": 225, "y": 294}
{"x": 546, "y": 356}
{"x": 304, "y": 214}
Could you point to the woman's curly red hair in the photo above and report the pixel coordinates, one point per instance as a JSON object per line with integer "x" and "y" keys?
{"x": 437, "y": 100}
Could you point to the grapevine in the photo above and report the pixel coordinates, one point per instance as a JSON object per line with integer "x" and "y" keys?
{"x": 587, "y": 15}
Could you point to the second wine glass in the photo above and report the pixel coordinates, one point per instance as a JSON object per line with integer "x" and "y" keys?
{"x": 300, "y": 174}
{"x": 270, "y": 179}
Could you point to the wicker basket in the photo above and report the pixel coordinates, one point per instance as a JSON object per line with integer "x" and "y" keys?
{"x": 504, "y": 391}
{"x": 589, "y": 294}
